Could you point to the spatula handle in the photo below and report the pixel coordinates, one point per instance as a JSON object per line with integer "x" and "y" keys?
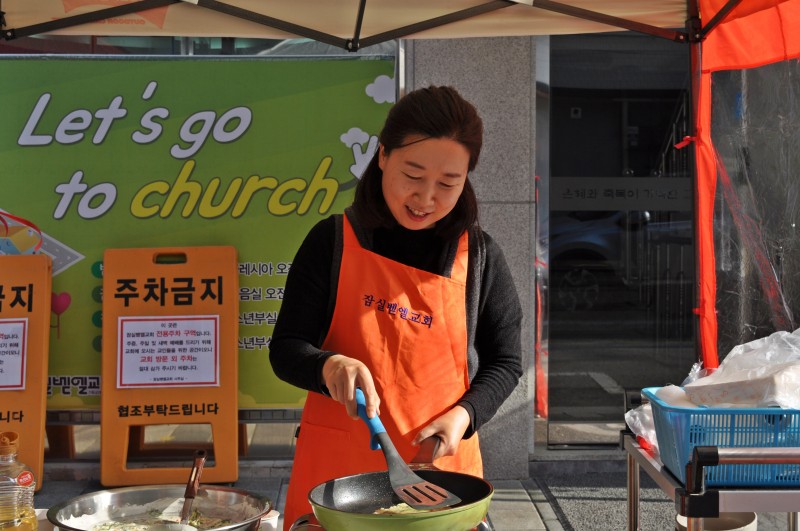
{"x": 374, "y": 424}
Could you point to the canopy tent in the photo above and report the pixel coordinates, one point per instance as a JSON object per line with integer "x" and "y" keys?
{"x": 725, "y": 35}
{"x": 348, "y": 24}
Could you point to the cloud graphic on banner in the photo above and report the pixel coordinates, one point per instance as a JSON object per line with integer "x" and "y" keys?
{"x": 155, "y": 15}
{"x": 356, "y": 139}
{"x": 381, "y": 90}
{"x": 354, "y": 136}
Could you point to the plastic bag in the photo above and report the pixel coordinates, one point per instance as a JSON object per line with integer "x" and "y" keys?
{"x": 761, "y": 373}
{"x": 640, "y": 421}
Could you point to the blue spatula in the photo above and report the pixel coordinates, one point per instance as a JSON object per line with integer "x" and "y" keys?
{"x": 412, "y": 489}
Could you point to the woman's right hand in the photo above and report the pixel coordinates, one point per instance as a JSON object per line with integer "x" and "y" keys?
{"x": 342, "y": 375}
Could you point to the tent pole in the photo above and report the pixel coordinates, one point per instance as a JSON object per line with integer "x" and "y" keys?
{"x": 705, "y": 323}
{"x": 405, "y": 31}
{"x": 692, "y": 29}
{"x": 353, "y": 44}
{"x": 610, "y": 20}
{"x": 719, "y": 17}
{"x": 264, "y": 20}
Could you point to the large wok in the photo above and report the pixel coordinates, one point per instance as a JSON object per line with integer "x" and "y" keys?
{"x": 244, "y": 509}
{"x": 348, "y": 503}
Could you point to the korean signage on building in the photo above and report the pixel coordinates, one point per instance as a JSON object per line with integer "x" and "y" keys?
{"x": 620, "y": 193}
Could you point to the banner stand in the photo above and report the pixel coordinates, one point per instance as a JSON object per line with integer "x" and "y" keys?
{"x": 170, "y": 357}
{"x": 25, "y": 301}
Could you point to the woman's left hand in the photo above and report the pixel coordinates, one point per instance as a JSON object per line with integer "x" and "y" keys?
{"x": 449, "y": 427}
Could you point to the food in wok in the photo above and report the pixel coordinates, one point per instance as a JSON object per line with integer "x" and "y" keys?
{"x": 138, "y": 508}
{"x": 156, "y": 517}
{"x": 400, "y": 508}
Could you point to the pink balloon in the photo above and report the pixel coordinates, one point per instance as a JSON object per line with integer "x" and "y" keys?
{"x": 60, "y": 302}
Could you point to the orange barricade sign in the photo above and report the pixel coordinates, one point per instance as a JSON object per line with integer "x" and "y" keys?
{"x": 170, "y": 356}
{"x": 25, "y": 292}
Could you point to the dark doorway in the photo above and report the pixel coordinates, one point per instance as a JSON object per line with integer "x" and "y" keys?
{"x": 621, "y": 246}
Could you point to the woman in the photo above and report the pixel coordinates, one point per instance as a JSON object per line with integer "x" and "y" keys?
{"x": 406, "y": 297}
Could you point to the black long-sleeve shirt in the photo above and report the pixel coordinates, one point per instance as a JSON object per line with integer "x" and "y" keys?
{"x": 493, "y": 311}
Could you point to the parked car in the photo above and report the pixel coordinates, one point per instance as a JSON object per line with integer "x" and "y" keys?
{"x": 605, "y": 258}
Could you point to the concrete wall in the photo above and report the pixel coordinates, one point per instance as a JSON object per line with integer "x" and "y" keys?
{"x": 498, "y": 76}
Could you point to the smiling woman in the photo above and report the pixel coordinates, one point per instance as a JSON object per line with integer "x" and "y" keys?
{"x": 405, "y": 297}
{"x": 423, "y": 180}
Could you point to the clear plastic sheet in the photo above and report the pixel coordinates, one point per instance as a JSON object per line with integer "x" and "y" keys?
{"x": 756, "y": 132}
{"x": 762, "y": 373}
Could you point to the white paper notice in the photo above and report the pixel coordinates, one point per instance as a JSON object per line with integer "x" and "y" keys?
{"x": 168, "y": 351}
{"x": 13, "y": 353}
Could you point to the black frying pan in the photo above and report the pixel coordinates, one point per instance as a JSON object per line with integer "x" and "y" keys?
{"x": 349, "y": 503}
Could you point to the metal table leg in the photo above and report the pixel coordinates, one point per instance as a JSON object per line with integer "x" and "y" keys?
{"x": 727, "y": 499}
{"x": 633, "y": 494}
{"x": 694, "y": 524}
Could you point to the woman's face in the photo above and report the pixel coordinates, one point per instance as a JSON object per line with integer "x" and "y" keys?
{"x": 423, "y": 180}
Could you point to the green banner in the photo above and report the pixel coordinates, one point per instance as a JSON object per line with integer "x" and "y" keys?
{"x": 123, "y": 153}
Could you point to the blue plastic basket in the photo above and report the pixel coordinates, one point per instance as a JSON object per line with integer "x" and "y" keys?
{"x": 680, "y": 429}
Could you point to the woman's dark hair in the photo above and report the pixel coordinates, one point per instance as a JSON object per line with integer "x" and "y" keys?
{"x": 432, "y": 112}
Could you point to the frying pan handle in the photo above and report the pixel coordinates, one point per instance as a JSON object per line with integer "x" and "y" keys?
{"x": 374, "y": 424}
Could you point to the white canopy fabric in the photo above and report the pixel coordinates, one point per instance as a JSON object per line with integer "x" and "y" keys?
{"x": 337, "y": 21}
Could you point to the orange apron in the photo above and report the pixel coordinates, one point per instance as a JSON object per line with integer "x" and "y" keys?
{"x": 409, "y": 327}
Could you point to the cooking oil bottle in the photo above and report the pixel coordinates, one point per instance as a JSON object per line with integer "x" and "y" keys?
{"x": 17, "y": 485}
